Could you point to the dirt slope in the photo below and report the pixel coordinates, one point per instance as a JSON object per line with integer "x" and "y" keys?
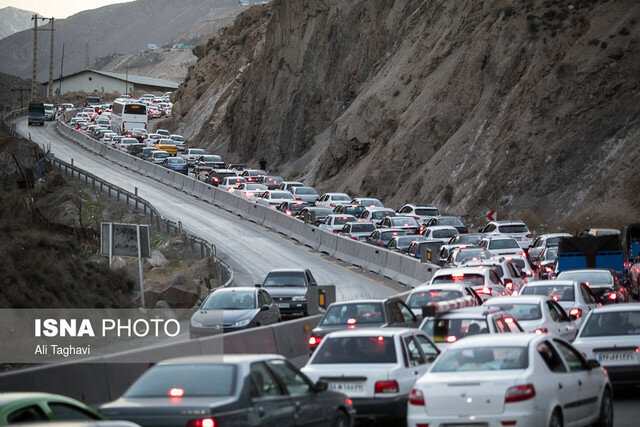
{"x": 527, "y": 107}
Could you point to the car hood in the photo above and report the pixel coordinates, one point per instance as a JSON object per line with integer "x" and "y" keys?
{"x": 210, "y": 317}
{"x": 285, "y": 291}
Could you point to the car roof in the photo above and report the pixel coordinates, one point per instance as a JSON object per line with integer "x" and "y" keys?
{"x": 378, "y": 209}
{"x": 287, "y": 270}
{"x": 421, "y": 206}
{"x": 226, "y": 358}
{"x": 336, "y": 194}
{"x": 441, "y": 227}
{"x": 337, "y": 214}
{"x": 523, "y": 299}
{"x": 366, "y": 332}
{"x": 391, "y": 229}
{"x": 588, "y": 270}
{"x": 551, "y": 282}
{"x": 498, "y": 340}
{"x": 443, "y": 286}
{"x": 516, "y": 222}
{"x": 618, "y": 307}
{"x": 546, "y": 236}
{"x": 463, "y": 270}
{"x": 235, "y": 288}
{"x": 11, "y": 397}
{"x": 466, "y": 312}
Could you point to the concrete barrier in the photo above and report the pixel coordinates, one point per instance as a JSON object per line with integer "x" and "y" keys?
{"x": 347, "y": 249}
{"x": 199, "y": 190}
{"x": 375, "y": 257}
{"x": 328, "y": 242}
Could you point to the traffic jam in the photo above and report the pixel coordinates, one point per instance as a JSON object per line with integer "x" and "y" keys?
{"x": 515, "y": 328}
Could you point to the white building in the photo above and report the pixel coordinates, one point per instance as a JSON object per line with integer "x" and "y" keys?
{"x": 101, "y": 81}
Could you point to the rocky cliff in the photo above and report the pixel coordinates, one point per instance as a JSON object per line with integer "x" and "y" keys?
{"x": 527, "y": 107}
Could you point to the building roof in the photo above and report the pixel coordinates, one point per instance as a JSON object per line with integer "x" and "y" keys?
{"x": 140, "y": 80}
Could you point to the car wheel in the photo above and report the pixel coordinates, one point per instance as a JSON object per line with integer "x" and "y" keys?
{"x": 340, "y": 419}
{"x": 606, "y": 410}
{"x": 556, "y": 419}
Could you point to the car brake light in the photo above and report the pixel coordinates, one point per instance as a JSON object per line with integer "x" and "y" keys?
{"x": 613, "y": 296}
{"x": 205, "y": 422}
{"x": 519, "y": 393}
{"x": 529, "y": 236}
{"x": 509, "y": 320}
{"x": 390, "y": 386}
{"x": 451, "y": 338}
{"x": 348, "y": 402}
{"x": 509, "y": 286}
{"x": 416, "y": 398}
{"x": 351, "y": 321}
{"x": 541, "y": 331}
{"x": 314, "y": 340}
{"x": 354, "y": 238}
{"x": 575, "y": 312}
{"x": 485, "y": 290}
{"x": 176, "y": 392}
{"x": 380, "y": 243}
{"x": 457, "y": 276}
{"x": 288, "y": 213}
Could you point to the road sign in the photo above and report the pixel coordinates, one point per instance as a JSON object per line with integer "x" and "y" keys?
{"x": 492, "y": 215}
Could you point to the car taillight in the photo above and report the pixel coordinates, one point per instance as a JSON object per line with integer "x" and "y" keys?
{"x": 613, "y": 296}
{"x": 509, "y": 285}
{"x": 390, "y": 386}
{"x": 354, "y": 238}
{"x": 451, "y": 339}
{"x": 205, "y": 422}
{"x": 575, "y": 312}
{"x": 416, "y": 398}
{"x": 529, "y": 236}
{"x": 314, "y": 340}
{"x": 288, "y": 213}
{"x": 380, "y": 243}
{"x": 541, "y": 331}
{"x": 485, "y": 291}
{"x": 332, "y": 205}
{"x": 519, "y": 393}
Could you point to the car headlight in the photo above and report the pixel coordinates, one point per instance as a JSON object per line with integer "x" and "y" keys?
{"x": 196, "y": 324}
{"x": 241, "y": 323}
{"x": 299, "y": 298}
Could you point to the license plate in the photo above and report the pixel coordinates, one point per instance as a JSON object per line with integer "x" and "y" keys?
{"x": 283, "y": 305}
{"x": 347, "y": 386}
{"x": 616, "y": 357}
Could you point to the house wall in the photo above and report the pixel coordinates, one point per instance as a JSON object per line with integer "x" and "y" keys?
{"x": 90, "y": 82}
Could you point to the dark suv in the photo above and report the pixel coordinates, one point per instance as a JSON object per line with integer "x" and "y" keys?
{"x": 289, "y": 289}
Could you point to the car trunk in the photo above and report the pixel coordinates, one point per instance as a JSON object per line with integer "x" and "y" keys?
{"x": 356, "y": 380}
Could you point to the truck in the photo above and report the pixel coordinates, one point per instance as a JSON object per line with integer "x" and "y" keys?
{"x": 577, "y": 253}
{"x": 36, "y": 113}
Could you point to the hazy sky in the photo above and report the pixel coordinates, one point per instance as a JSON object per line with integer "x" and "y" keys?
{"x": 58, "y": 8}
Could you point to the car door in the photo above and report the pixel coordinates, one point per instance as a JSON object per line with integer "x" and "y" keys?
{"x": 415, "y": 363}
{"x": 309, "y": 408}
{"x": 562, "y": 325}
{"x": 265, "y": 317}
{"x": 564, "y": 385}
{"x": 589, "y": 298}
{"x": 408, "y": 318}
{"x": 536, "y": 249}
{"x": 270, "y": 403}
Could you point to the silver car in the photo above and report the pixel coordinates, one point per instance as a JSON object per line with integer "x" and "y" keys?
{"x": 306, "y": 194}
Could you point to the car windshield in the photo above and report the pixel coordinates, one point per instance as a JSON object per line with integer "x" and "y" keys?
{"x": 177, "y": 138}
{"x": 472, "y": 254}
{"x": 305, "y": 190}
{"x": 612, "y": 323}
{"x": 292, "y": 278}
{"x": 482, "y": 359}
{"x": 439, "y": 234}
{"x": 353, "y": 314}
{"x": 161, "y": 155}
{"x": 469, "y": 278}
{"x": 557, "y": 292}
{"x": 382, "y": 214}
{"x": 593, "y": 278}
{"x": 363, "y": 228}
{"x": 514, "y": 228}
{"x": 356, "y": 350}
{"x": 521, "y": 311}
{"x": 185, "y": 380}
{"x": 236, "y": 300}
{"x": 427, "y": 212}
{"x": 197, "y": 151}
{"x": 419, "y": 299}
{"x": 388, "y": 235}
{"x": 403, "y": 222}
{"x": 451, "y": 330}
{"x": 353, "y": 210}
{"x": 471, "y": 239}
{"x": 339, "y": 220}
{"x": 503, "y": 244}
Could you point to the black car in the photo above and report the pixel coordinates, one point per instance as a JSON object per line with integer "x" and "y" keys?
{"x": 292, "y": 208}
{"x": 272, "y": 182}
{"x": 217, "y": 175}
{"x": 471, "y": 239}
{"x": 402, "y": 243}
{"x": 604, "y": 284}
{"x": 254, "y": 175}
{"x": 212, "y": 160}
{"x": 242, "y": 390}
{"x": 135, "y": 149}
{"x": 355, "y": 210}
{"x": 381, "y": 237}
{"x": 289, "y": 288}
{"x": 315, "y": 215}
{"x": 452, "y": 221}
{"x": 241, "y": 307}
{"x": 376, "y": 313}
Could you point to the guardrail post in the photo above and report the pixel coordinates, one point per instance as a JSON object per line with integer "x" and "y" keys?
{"x": 118, "y": 196}
{"x": 136, "y": 193}
{"x": 180, "y": 226}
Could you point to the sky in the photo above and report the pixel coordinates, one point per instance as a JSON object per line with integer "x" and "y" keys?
{"x": 58, "y": 8}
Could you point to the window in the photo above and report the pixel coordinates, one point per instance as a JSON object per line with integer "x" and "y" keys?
{"x": 407, "y": 314}
{"x": 293, "y": 381}
{"x": 501, "y": 326}
{"x": 494, "y": 277}
{"x": 574, "y": 360}
{"x": 450, "y": 330}
{"x": 482, "y": 359}
{"x": 353, "y": 313}
{"x": 414, "y": 352}
{"x": 26, "y": 415}
{"x": 197, "y": 380}
{"x": 489, "y": 228}
{"x": 538, "y": 242}
{"x": 264, "y": 382}
{"x": 551, "y": 357}
{"x": 65, "y": 412}
{"x": 357, "y": 350}
{"x": 429, "y": 350}
{"x": 262, "y": 299}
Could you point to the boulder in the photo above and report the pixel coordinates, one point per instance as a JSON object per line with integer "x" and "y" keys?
{"x": 180, "y": 292}
{"x": 157, "y": 259}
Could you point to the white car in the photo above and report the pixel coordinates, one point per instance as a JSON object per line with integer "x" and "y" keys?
{"x": 440, "y": 233}
{"x": 483, "y": 280}
{"x": 124, "y": 143}
{"x": 523, "y": 264}
{"x": 499, "y": 246}
{"x": 231, "y": 183}
{"x": 158, "y": 156}
{"x": 538, "y": 314}
{"x": 425, "y": 294}
{"x": 272, "y": 198}
{"x": 306, "y": 194}
{"x": 575, "y": 297}
{"x": 376, "y": 215}
{"x": 107, "y": 137}
{"x": 516, "y": 229}
{"x": 420, "y": 213}
{"x": 288, "y": 185}
{"x": 357, "y": 230}
{"x": 368, "y": 202}
{"x": 178, "y": 140}
{"x": 250, "y": 191}
{"x": 611, "y": 335}
{"x": 192, "y": 154}
{"x": 335, "y": 222}
{"x": 509, "y": 273}
{"x": 331, "y": 200}
{"x": 522, "y": 380}
{"x": 543, "y": 241}
{"x": 374, "y": 367}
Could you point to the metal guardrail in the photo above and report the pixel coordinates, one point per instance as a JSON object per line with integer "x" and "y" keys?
{"x": 11, "y": 128}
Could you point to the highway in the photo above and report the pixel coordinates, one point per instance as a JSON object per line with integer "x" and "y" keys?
{"x": 251, "y": 250}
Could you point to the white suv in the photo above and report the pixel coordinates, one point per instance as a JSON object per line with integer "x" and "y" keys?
{"x": 420, "y": 213}
{"x": 501, "y": 246}
{"x": 516, "y": 229}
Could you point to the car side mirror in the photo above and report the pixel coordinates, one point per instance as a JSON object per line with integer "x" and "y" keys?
{"x": 258, "y": 285}
{"x": 320, "y": 386}
{"x": 264, "y": 308}
{"x": 593, "y": 363}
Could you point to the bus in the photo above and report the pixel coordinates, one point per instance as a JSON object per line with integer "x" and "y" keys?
{"x": 126, "y": 116}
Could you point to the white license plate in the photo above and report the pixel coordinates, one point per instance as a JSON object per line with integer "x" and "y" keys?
{"x": 617, "y": 357}
{"x": 282, "y": 305}
{"x": 347, "y": 386}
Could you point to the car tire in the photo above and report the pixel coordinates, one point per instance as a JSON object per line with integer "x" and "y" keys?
{"x": 340, "y": 419}
{"x": 606, "y": 410}
{"x": 556, "y": 419}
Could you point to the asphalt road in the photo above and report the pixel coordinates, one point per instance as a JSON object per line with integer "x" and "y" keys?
{"x": 251, "y": 250}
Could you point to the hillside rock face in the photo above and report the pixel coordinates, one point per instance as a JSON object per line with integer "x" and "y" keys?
{"x": 527, "y": 107}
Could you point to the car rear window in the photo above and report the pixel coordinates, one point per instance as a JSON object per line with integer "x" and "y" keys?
{"x": 343, "y": 219}
{"x": 451, "y": 330}
{"x": 482, "y": 359}
{"x": 515, "y": 228}
{"x": 427, "y": 212}
{"x": 340, "y": 197}
{"x": 282, "y": 195}
{"x": 419, "y": 299}
{"x": 474, "y": 254}
{"x": 388, "y": 235}
{"x": 363, "y": 228}
{"x": 454, "y": 222}
{"x": 503, "y": 244}
{"x": 404, "y": 222}
{"x": 439, "y": 234}
{"x": 521, "y": 311}
{"x": 357, "y": 350}
{"x": 495, "y": 267}
{"x": 371, "y": 202}
{"x": 557, "y": 292}
{"x": 353, "y": 314}
{"x": 305, "y": 190}
{"x": 188, "y": 380}
{"x": 382, "y": 214}
{"x": 591, "y": 277}
{"x": 177, "y": 161}
{"x": 612, "y": 323}
{"x": 470, "y": 278}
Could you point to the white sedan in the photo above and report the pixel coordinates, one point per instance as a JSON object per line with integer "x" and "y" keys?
{"x": 272, "y": 198}
{"x": 440, "y": 233}
{"x": 231, "y": 183}
{"x": 538, "y": 314}
{"x": 331, "y": 200}
{"x": 335, "y": 222}
{"x": 375, "y": 367}
{"x": 499, "y": 246}
{"x": 522, "y": 380}
{"x": 250, "y": 191}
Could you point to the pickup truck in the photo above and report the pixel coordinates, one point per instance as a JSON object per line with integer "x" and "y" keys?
{"x": 578, "y": 253}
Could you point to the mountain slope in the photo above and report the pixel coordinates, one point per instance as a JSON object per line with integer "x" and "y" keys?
{"x": 526, "y": 107}
{"x": 13, "y": 20}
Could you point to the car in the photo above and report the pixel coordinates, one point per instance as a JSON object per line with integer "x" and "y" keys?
{"x": 512, "y": 277}
{"x": 604, "y": 284}
{"x": 176, "y": 164}
{"x": 230, "y": 183}
{"x": 418, "y": 247}
{"x": 499, "y": 246}
{"x": 292, "y": 208}
{"x": 237, "y": 167}
{"x": 575, "y": 297}
{"x": 611, "y": 335}
{"x": 423, "y": 295}
{"x": 516, "y": 229}
{"x": 458, "y": 256}
{"x": 272, "y": 182}
{"x": 107, "y": 137}
{"x": 401, "y": 243}
{"x": 158, "y": 156}
{"x": 382, "y": 236}
{"x": 314, "y": 215}
{"x": 133, "y": 149}
{"x": 242, "y": 308}
{"x": 368, "y": 202}
{"x": 272, "y": 198}
{"x": 167, "y": 145}
{"x": 288, "y": 185}
{"x": 152, "y": 138}
{"x": 420, "y": 213}
{"x": 335, "y": 222}
{"x": 544, "y": 241}
{"x": 306, "y": 194}
{"x": 485, "y": 281}
{"x": 164, "y": 133}
{"x": 452, "y": 221}
{"x": 522, "y": 262}
{"x": 178, "y": 140}
{"x": 545, "y": 262}
{"x": 215, "y": 176}
{"x": 289, "y": 288}
{"x": 357, "y": 230}
{"x": 407, "y": 223}
{"x": 363, "y": 313}
{"x": 331, "y": 200}
{"x": 30, "y": 407}
{"x": 192, "y": 154}
{"x": 250, "y": 191}
{"x": 242, "y": 389}
{"x": 450, "y": 326}
{"x": 376, "y": 215}
{"x": 439, "y": 233}
{"x": 145, "y": 153}
{"x": 253, "y": 175}
{"x": 123, "y": 144}
{"x": 375, "y": 368}
{"x": 349, "y": 209}
{"x": 523, "y": 380}
{"x": 213, "y": 161}
{"x": 538, "y": 314}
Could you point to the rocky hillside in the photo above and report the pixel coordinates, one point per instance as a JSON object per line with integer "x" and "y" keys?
{"x": 14, "y": 20}
{"x": 527, "y": 107}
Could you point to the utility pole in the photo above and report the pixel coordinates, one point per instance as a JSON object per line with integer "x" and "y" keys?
{"x": 35, "y": 57}
{"x": 60, "y": 80}
{"x": 51, "y": 62}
